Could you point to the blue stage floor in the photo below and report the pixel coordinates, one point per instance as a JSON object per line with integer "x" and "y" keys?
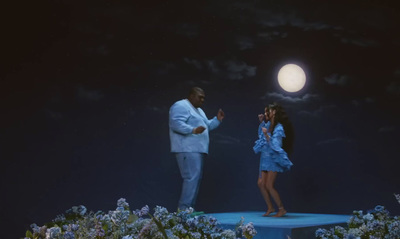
{"x": 293, "y": 225}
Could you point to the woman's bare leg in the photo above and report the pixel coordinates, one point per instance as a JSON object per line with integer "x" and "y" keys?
{"x": 271, "y": 177}
{"x": 262, "y": 184}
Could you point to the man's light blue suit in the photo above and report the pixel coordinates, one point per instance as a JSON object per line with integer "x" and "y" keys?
{"x": 190, "y": 149}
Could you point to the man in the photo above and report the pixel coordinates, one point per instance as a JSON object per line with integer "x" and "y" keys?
{"x": 188, "y": 130}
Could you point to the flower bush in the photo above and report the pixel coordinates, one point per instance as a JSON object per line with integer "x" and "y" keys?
{"x": 78, "y": 223}
{"x": 375, "y": 224}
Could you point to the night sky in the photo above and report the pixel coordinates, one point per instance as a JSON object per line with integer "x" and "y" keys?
{"x": 87, "y": 85}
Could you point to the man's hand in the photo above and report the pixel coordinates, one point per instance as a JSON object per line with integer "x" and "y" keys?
{"x": 261, "y": 117}
{"x": 199, "y": 130}
{"x": 220, "y": 115}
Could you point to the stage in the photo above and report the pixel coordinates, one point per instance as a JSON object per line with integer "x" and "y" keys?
{"x": 293, "y": 225}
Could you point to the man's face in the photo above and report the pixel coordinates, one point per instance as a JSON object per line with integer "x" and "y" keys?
{"x": 197, "y": 98}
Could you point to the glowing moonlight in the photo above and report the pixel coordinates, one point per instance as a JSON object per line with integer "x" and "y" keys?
{"x": 291, "y": 78}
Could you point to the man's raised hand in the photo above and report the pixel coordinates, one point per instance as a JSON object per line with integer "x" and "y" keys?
{"x": 220, "y": 115}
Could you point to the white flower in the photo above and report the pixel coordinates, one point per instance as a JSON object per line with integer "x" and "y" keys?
{"x": 368, "y": 217}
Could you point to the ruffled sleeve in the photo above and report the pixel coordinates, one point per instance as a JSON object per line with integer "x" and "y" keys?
{"x": 276, "y": 139}
{"x": 262, "y": 141}
{"x": 277, "y": 154}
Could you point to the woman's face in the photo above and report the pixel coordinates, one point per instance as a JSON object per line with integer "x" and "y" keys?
{"x": 271, "y": 113}
{"x": 266, "y": 113}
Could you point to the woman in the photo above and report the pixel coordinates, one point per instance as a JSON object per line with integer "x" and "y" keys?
{"x": 273, "y": 158}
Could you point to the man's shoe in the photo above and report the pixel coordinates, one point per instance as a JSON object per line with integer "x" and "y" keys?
{"x": 196, "y": 213}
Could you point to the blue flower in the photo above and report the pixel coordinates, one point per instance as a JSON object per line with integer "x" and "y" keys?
{"x": 215, "y": 235}
{"x": 119, "y": 216}
{"x": 59, "y": 218}
{"x": 379, "y": 208}
{"x": 397, "y": 197}
{"x": 118, "y": 224}
{"x": 228, "y": 234}
{"x": 160, "y": 212}
{"x": 196, "y": 235}
{"x": 35, "y": 228}
{"x": 351, "y": 236}
{"x": 122, "y": 203}
{"x": 320, "y": 232}
{"x": 249, "y": 230}
{"x": 356, "y": 232}
{"x": 368, "y": 217}
{"x": 179, "y": 229}
{"x": 213, "y": 221}
{"x": 74, "y": 227}
{"x": 79, "y": 210}
{"x": 142, "y": 212}
{"x": 69, "y": 235}
{"x": 53, "y": 233}
{"x": 192, "y": 222}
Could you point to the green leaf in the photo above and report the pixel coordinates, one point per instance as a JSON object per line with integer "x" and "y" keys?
{"x": 49, "y": 224}
{"x": 28, "y": 234}
{"x": 105, "y": 227}
{"x": 132, "y": 218}
{"x": 159, "y": 225}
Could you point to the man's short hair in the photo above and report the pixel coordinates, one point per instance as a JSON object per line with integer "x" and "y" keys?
{"x": 195, "y": 90}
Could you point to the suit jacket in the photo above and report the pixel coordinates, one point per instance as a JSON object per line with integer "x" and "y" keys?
{"x": 183, "y": 118}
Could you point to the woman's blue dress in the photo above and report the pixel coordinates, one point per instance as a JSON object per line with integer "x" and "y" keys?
{"x": 273, "y": 157}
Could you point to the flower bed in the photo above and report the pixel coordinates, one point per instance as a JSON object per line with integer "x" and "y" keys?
{"x": 125, "y": 224}
{"x": 376, "y": 224}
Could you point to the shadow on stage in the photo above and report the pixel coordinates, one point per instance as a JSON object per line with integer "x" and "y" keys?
{"x": 291, "y": 225}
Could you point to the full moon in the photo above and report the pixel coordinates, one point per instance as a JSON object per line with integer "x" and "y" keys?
{"x": 291, "y": 78}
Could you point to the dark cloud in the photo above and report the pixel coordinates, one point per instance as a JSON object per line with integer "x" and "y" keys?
{"x": 194, "y": 62}
{"x": 338, "y": 140}
{"x": 270, "y": 36}
{"x": 188, "y": 30}
{"x": 89, "y": 94}
{"x": 359, "y": 41}
{"x": 158, "y": 110}
{"x": 336, "y": 79}
{"x": 233, "y": 70}
{"x": 363, "y": 102}
{"x": 244, "y": 42}
{"x": 224, "y": 139}
{"x": 318, "y": 113}
{"x": 165, "y": 68}
{"x": 387, "y": 129}
{"x": 53, "y": 114}
{"x": 212, "y": 66}
{"x": 288, "y": 99}
{"x": 101, "y": 50}
{"x": 397, "y": 73}
{"x": 394, "y": 88}
{"x": 239, "y": 70}
{"x": 369, "y": 100}
{"x": 274, "y": 15}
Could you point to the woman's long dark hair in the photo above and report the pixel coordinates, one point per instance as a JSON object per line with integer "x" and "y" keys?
{"x": 281, "y": 117}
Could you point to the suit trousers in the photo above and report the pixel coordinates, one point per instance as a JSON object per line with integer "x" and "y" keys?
{"x": 191, "y": 169}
